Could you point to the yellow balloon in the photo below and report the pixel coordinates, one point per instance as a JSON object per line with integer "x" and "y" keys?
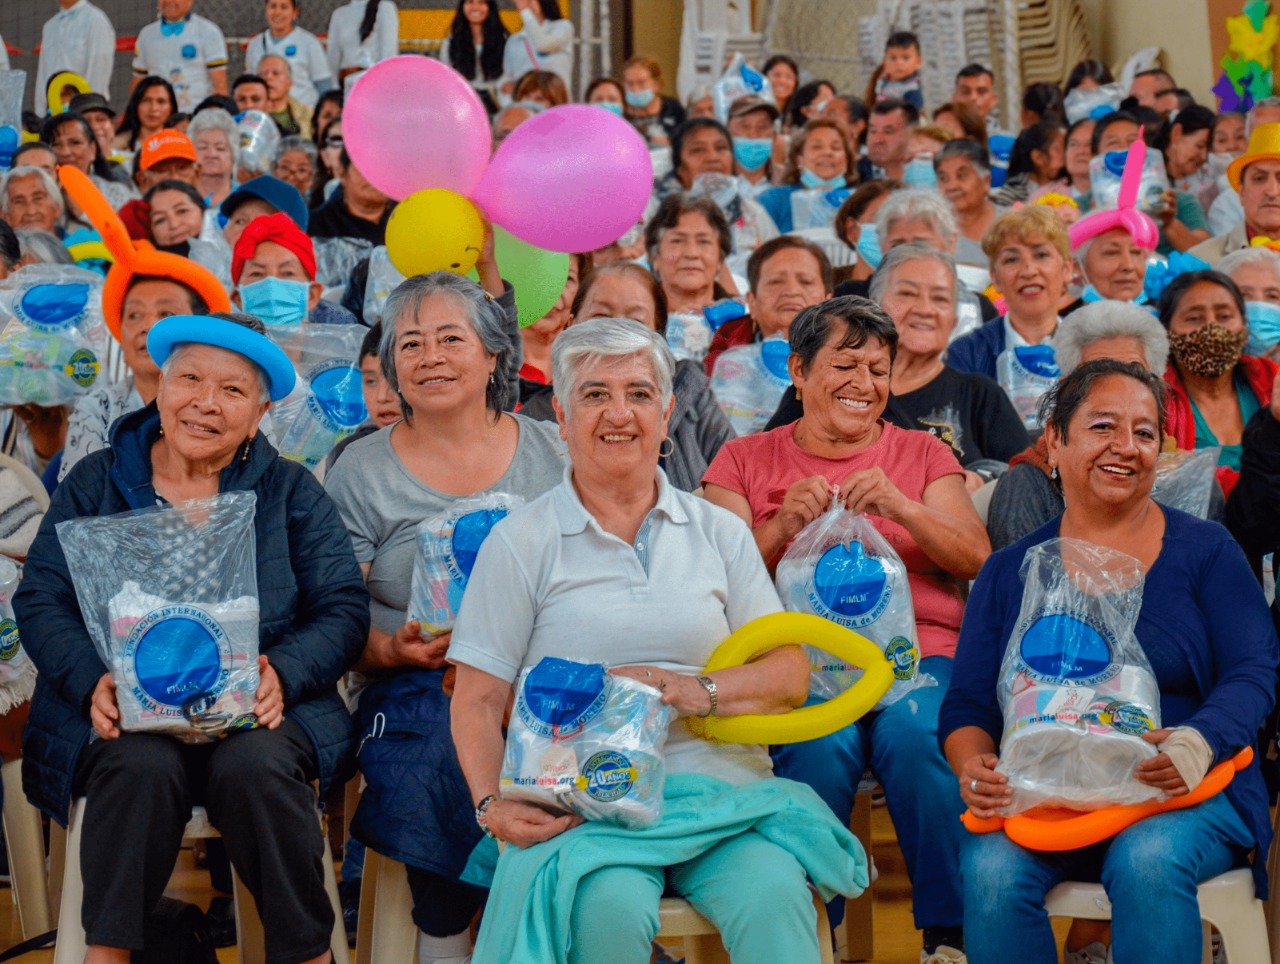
{"x": 810, "y": 722}
{"x": 54, "y": 89}
{"x": 434, "y": 230}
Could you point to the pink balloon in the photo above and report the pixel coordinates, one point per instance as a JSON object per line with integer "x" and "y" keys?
{"x": 411, "y": 123}
{"x": 574, "y": 178}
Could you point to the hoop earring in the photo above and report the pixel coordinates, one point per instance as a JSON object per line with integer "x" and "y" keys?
{"x": 671, "y": 448}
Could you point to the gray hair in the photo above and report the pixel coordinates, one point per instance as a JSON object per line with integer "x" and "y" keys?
{"x": 969, "y": 150}
{"x": 295, "y": 143}
{"x": 607, "y": 338}
{"x": 1254, "y": 257}
{"x": 1110, "y": 319}
{"x": 490, "y": 322}
{"x": 43, "y": 247}
{"x": 911, "y": 252}
{"x": 1249, "y": 122}
{"x": 918, "y": 204}
{"x": 280, "y": 57}
{"x": 30, "y": 170}
{"x": 217, "y": 119}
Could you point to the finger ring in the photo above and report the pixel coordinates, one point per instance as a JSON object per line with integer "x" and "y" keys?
{"x": 662, "y": 684}
{"x": 973, "y": 785}
{"x": 647, "y": 674}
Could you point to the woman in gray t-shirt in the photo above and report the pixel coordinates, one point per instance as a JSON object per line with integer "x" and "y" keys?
{"x": 446, "y": 350}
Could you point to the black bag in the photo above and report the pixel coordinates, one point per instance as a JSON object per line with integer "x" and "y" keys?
{"x": 176, "y": 933}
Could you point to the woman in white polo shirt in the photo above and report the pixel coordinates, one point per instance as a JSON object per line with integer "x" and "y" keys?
{"x": 307, "y": 63}
{"x": 361, "y": 33}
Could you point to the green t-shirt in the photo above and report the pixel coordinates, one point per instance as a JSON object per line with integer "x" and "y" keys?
{"x": 1205, "y": 439}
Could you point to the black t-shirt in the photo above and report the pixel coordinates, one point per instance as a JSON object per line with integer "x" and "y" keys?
{"x": 333, "y": 220}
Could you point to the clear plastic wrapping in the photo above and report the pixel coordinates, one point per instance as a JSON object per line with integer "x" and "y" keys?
{"x": 170, "y": 598}
{"x": 748, "y": 382}
{"x": 1185, "y": 480}
{"x": 1076, "y": 690}
{"x": 446, "y": 548}
{"x": 17, "y": 672}
{"x": 1026, "y": 373}
{"x": 583, "y": 741}
{"x": 739, "y": 79}
{"x": 839, "y": 567}
{"x": 327, "y": 402}
{"x": 52, "y": 339}
{"x": 12, "y": 85}
{"x": 816, "y": 208}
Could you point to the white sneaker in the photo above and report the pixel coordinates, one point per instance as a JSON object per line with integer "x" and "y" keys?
{"x": 1095, "y": 953}
{"x": 455, "y": 949}
{"x": 943, "y": 955}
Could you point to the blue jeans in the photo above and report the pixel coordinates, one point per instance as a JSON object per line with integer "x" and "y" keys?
{"x": 1149, "y": 871}
{"x": 901, "y": 745}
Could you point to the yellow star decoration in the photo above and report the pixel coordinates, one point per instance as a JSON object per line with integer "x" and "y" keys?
{"x": 1255, "y": 45}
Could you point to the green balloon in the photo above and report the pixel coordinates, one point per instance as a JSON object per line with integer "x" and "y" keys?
{"x": 538, "y": 276}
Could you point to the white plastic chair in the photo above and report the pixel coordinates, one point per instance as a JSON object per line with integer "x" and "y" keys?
{"x": 24, "y": 840}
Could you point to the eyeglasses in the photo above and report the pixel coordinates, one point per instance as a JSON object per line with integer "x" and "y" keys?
{"x": 334, "y": 141}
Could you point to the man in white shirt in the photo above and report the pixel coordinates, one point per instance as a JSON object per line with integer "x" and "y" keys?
{"x": 185, "y": 49}
{"x": 78, "y": 38}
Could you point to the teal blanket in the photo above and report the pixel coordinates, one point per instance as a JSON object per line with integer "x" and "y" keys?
{"x": 527, "y": 917}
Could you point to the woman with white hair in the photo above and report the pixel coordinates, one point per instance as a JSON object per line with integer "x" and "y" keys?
{"x": 615, "y": 548}
{"x": 217, "y": 142}
{"x": 1027, "y": 496}
{"x": 1256, "y": 272}
{"x": 963, "y": 168}
{"x": 31, "y": 199}
{"x": 917, "y": 216}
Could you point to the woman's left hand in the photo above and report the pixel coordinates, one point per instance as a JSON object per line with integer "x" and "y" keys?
{"x": 871, "y": 491}
{"x": 680, "y": 691}
{"x": 487, "y": 263}
{"x": 1159, "y": 771}
{"x": 268, "y": 703}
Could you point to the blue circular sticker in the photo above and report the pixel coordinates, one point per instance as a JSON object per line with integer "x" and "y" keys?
{"x": 52, "y": 307}
{"x": 901, "y": 654}
{"x": 336, "y": 394}
{"x": 469, "y": 531}
{"x": 1062, "y": 647}
{"x": 1038, "y": 360}
{"x": 177, "y": 658}
{"x": 849, "y": 583}
{"x": 1127, "y": 718}
{"x": 608, "y": 776}
{"x": 559, "y": 697}
{"x": 83, "y": 367}
{"x": 774, "y": 352}
{"x": 9, "y": 641}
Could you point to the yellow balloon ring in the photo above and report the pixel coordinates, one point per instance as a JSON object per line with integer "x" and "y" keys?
{"x": 811, "y": 722}
{"x": 57, "y": 82}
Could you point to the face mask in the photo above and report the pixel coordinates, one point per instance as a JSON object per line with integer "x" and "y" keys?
{"x": 818, "y": 108}
{"x": 612, "y": 106}
{"x": 276, "y": 301}
{"x": 752, "y": 153}
{"x": 640, "y": 99}
{"x": 813, "y": 182}
{"x": 869, "y": 245}
{"x": 1210, "y": 352}
{"x": 919, "y": 172}
{"x": 1092, "y": 294}
{"x": 1264, "y": 326}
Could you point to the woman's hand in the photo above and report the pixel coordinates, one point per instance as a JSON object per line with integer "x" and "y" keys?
{"x": 407, "y": 647}
{"x": 1159, "y": 771}
{"x": 680, "y": 691}
{"x": 487, "y": 263}
{"x": 983, "y": 790}
{"x": 871, "y": 491}
{"x": 524, "y": 825}
{"x": 104, "y": 712}
{"x": 268, "y": 702}
{"x": 803, "y": 502}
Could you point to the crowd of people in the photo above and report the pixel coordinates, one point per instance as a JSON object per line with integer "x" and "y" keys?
{"x": 982, "y": 335}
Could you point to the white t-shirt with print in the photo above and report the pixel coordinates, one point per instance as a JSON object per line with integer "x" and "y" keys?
{"x": 184, "y": 59}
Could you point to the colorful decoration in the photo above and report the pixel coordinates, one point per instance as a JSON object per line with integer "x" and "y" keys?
{"x": 1246, "y": 69}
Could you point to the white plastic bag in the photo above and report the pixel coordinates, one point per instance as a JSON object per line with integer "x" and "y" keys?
{"x": 748, "y": 382}
{"x": 583, "y": 741}
{"x": 12, "y": 85}
{"x": 1026, "y": 373}
{"x": 1185, "y": 480}
{"x": 170, "y": 598}
{"x": 1105, "y": 172}
{"x": 383, "y": 278}
{"x": 1076, "y": 690}
{"x": 739, "y": 79}
{"x": 447, "y": 545}
{"x": 816, "y": 208}
{"x": 839, "y": 567}
{"x": 688, "y": 335}
{"x": 327, "y": 402}
{"x": 17, "y": 672}
{"x": 53, "y": 337}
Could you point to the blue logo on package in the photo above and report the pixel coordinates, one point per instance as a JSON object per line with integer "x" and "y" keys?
{"x": 560, "y": 697}
{"x": 8, "y": 144}
{"x": 52, "y": 307}
{"x": 607, "y": 776}
{"x": 752, "y": 78}
{"x": 1128, "y": 718}
{"x": 82, "y": 368}
{"x": 774, "y": 353}
{"x": 468, "y": 532}
{"x": 901, "y": 654}
{"x": 177, "y": 656}
{"x": 336, "y": 397}
{"x": 1059, "y": 647}
{"x": 1038, "y": 360}
{"x": 1115, "y": 161}
{"x": 849, "y": 586}
{"x": 9, "y": 641}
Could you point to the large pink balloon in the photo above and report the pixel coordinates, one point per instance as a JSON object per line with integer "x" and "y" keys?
{"x": 411, "y": 123}
{"x": 574, "y": 178}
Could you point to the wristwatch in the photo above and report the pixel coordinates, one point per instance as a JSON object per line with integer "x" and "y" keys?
{"x": 709, "y": 685}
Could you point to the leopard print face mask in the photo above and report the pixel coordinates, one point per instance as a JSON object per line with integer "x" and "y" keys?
{"x": 1210, "y": 352}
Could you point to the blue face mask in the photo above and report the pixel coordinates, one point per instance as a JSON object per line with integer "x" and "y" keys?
{"x": 919, "y": 172}
{"x": 640, "y": 99}
{"x": 813, "y": 182}
{"x": 752, "y": 153}
{"x": 1264, "y": 326}
{"x": 612, "y": 106}
{"x": 1092, "y": 294}
{"x": 869, "y": 245}
{"x": 276, "y": 301}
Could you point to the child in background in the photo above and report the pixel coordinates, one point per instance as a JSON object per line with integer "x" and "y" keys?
{"x": 900, "y": 70}
{"x": 384, "y": 409}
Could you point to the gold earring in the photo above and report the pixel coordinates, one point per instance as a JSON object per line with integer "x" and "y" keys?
{"x": 671, "y": 450}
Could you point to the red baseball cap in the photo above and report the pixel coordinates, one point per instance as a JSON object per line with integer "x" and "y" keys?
{"x": 280, "y": 229}
{"x": 166, "y": 145}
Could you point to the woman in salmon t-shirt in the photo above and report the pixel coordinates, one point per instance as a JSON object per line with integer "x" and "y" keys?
{"x": 912, "y": 488}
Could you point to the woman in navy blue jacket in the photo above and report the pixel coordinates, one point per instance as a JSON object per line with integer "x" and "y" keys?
{"x": 1204, "y": 627}
{"x": 200, "y": 437}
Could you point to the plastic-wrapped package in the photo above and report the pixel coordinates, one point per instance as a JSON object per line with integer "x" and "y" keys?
{"x": 748, "y": 382}
{"x": 17, "y": 672}
{"x": 839, "y": 567}
{"x": 12, "y": 84}
{"x": 1185, "y": 480}
{"x": 739, "y": 79}
{"x": 1076, "y": 690}
{"x": 383, "y": 279}
{"x": 259, "y": 139}
{"x": 170, "y": 598}
{"x": 1105, "y": 172}
{"x": 816, "y": 209}
{"x": 53, "y": 338}
{"x": 688, "y": 334}
{"x": 1026, "y": 372}
{"x": 336, "y": 259}
{"x": 583, "y": 741}
{"x": 447, "y": 545}
{"x": 327, "y": 403}
{"x": 1095, "y": 102}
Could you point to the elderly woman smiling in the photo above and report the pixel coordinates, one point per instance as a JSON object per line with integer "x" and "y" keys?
{"x": 201, "y": 437}
{"x": 912, "y": 488}
{"x": 615, "y": 547}
{"x": 1256, "y": 272}
{"x": 688, "y": 240}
